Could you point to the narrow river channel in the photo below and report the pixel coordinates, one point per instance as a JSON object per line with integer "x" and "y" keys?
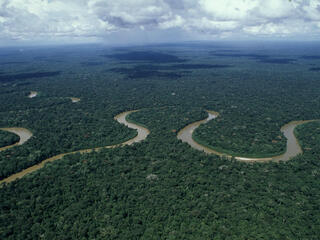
{"x": 293, "y": 147}
{"x": 23, "y": 133}
{"x": 121, "y": 118}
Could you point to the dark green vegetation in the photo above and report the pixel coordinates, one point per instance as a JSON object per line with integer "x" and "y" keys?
{"x": 259, "y": 57}
{"x": 309, "y": 137}
{"x": 9, "y": 63}
{"x": 278, "y": 60}
{"x": 161, "y": 188}
{"x": 228, "y": 136}
{"x": 145, "y": 71}
{"x": 88, "y": 64}
{"x": 8, "y": 138}
{"x": 155, "y": 57}
{"x": 311, "y": 57}
{"x": 316, "y": 69}
{"x": 24, "y": 76}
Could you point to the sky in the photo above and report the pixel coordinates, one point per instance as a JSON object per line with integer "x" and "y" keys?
{"x": 153, "y": 21}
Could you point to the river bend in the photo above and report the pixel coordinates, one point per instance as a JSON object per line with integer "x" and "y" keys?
{"x": 23, "y": 133}
{"x": 292, "y": 150}
{"x": 121, "y": 118}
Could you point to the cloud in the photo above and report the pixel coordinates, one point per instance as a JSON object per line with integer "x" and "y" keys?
{"x": 43, "y": 20}
{"x": 128, "y": 14}
{"x": 273, "y": 10}
{"x": 226, "y": 10}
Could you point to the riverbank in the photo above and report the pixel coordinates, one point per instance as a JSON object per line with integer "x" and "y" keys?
{"x": 142, "y": 134}
{"x": 23, "y": 133}
{"x": 293, "y": 147}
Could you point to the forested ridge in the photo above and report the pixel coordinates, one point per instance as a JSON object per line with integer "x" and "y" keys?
{"x": 161, "y": 188}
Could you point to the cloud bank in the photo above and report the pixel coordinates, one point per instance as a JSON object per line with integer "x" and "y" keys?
{"x": 127, "y": 20}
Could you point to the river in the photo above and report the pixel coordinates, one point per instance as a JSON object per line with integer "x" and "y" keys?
{"x": 121, "y": 118}
{"x": 23, "y": 133}
{"x": 293, "y": 147}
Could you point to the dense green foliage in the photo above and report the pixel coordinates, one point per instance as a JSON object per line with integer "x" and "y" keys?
{"x": 8, "y": 138}
{"x": 161, "y": 188}
{"x": 270, "y": 98}
{"x": 108, "y": 195}
{"x": 58, "y": 129}
{"x": 227, "y": 136}
{"x": 309, "y": 137}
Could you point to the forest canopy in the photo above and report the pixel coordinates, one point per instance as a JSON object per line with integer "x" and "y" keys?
{"x": 161, "y": 188}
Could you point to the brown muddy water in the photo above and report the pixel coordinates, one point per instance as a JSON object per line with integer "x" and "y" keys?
{"x": 293, "y": 147}
{"x": 23, "y": 133}
{"x": 121, "y": 118}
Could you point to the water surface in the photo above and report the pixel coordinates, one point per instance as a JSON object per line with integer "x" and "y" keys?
{"x": 23, "y": 133}
{"x": 293, "y": 147}
{"x": 121, "y": 118}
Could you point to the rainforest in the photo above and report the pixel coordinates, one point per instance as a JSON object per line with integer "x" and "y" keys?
{"x": 98, "y": 129}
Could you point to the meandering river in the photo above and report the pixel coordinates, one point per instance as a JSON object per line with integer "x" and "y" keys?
{"x": 293, "y": 147}
{"x": 23, "y": 133}
{"x": 121, "y": 118}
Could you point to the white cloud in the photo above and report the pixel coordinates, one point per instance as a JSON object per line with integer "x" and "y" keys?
{"x": 312, "y": 10}
{"x": 267, "y": 29}
{"x": 131, "y": 13}
{"x": 228, "y": 9}
{"x": 273, "y": 9}
{"x": 175, "y": 22}
{"x": 99, "y": 19}
{"x": 36, "y": 19}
